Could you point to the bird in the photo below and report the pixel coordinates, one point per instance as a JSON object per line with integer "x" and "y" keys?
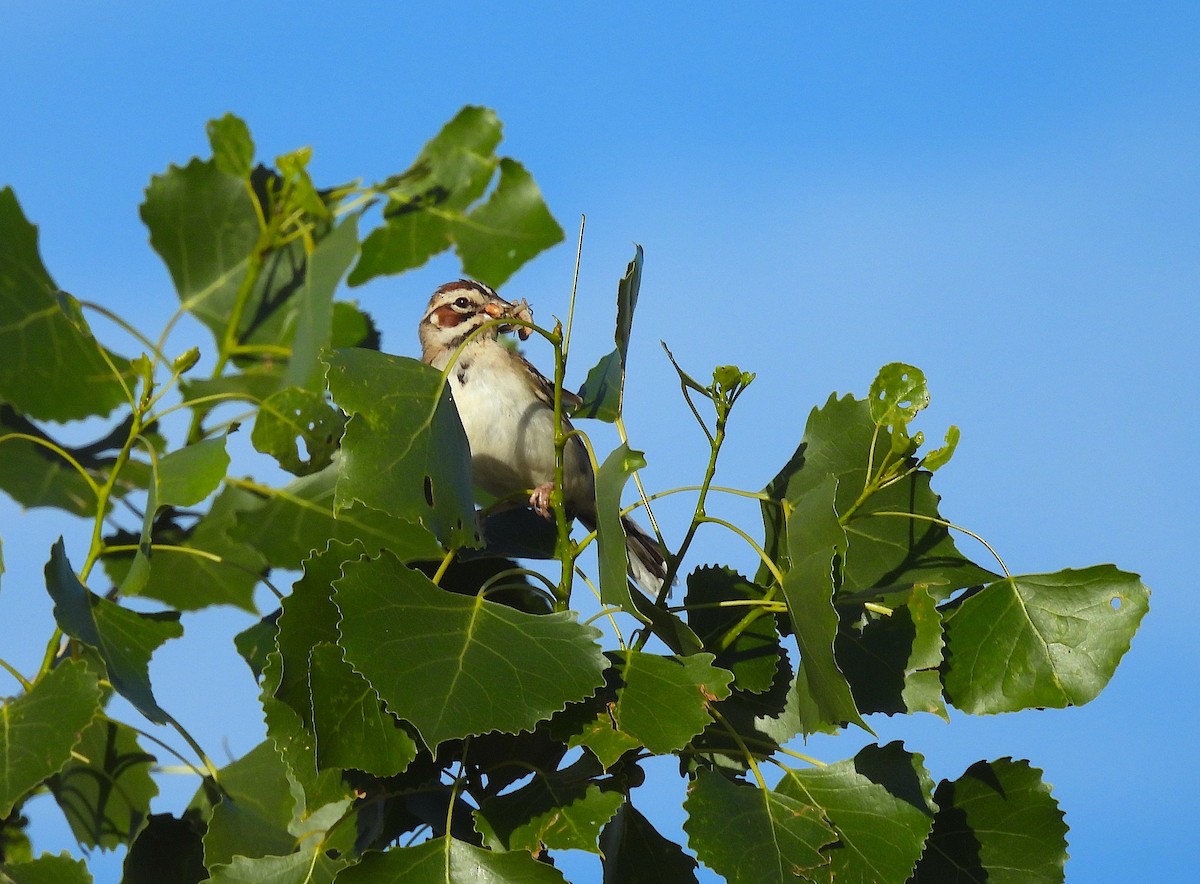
{"x": 506, "y": 407}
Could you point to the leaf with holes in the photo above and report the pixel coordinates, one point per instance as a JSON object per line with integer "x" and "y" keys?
{"x": 456, "y": 665}
{"x": 299, "y": 429}
{"x": 998, "y": 823}
{"x": 39, "y": 728}
{"x": 1041, "y": 640}
{"x": 404, "y": 450}
{"x": 750, "y": 835}
{"x": 880, "y": 804}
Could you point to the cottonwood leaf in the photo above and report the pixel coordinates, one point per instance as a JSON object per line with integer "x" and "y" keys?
{"x": 998, "y": 823}
{"x": 300, "y": 518}
{"x": 880, "y": 804}
{"x": 633, "y": 852}
{"x": 404, "y": 450}
{"x": 663, "y": 702}
{"x": 512, "y": 226}
{"x": 449, "y": 861}
{"x": 1041, "y": 640}
{"x": 123, "y": 639}
{"x": 299, "y": 429}
{"x": 815, "y": 539}
{"x": 754, "y": 655}
{"x": 47, "y": 869}
{"x": 254, "y": 811}
{"x": 456, "y": 665}
{"x": 611, "y": 552}
{"x": 53, "y": 368}
{"x": 106, "y": 788}
{"x": 39, "y": 728}
{"x": 752, "y": 836}
{"x": 352, "y": 728}
{"x": 167, "y": 849}
{"x": 232, "y": 146}
{"x": 312, "y": 864}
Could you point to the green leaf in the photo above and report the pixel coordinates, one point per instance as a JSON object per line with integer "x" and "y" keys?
{"x": 753, "y": 836}
{"x": 611, "y": 551}
{"x": 310, "y": 865}
{"x": 255, "y": 642}
{"x": 892, "y": 662}
{"x": 167, "y": 849}
{"x": 300, "y": 518}
{"x": 506, "y": 231}
{"x": 315, "y": 309}
{"x": 451, "y": 172}
{"x": 299, "y": 429}
{"x": 939, "y": 457}
{"x": 353, "y": 729}
{"x": 635, "y": 853}
{"x": 449, "y": 861}
{"x": 562, "y": 810}
{"x": 884, "y": 553}
{"x": 123, "y": 639}
{"x": 203, "y": 224}
{"x": 47, "y": 869}
{"x": 33, "y": 475}
{"x": 753, "y": 656}
{"x": 815, "y": 540}
{"x": 897, "y": 394}
{"x": 352, "y": 327}
{"x": 456, "y": 665}
{"x": 39, "y": 729}
{"x": 404, "y": 450}
{"x": 998, "y": 823}
{"x": 879, "y": 802}
{"x": 256, "y": 808}
{"x": 53, "y": 368}
{"x": 664, "y": 700}
{"x": 604, "y": 388}
{"x": 188, "y": 475}
{"x": 1041, "y": 640}
{"x": 105, "y": 790}
{"x": 605, "y": 740}
{"x": 232, "y": 146}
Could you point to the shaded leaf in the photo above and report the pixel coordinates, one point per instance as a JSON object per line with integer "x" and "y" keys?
{"x": 448, "y": 861}
{"x": 123, "y": 639}
{"x": 105, "y": 790}
{"x": 255, "y": 642}
{"x": 404, "y": 452}
{"x": 635, "y": 853}
{"x": 167, "y": 849}
{"x": 39, "y": 728}
{"x": 1041, "y": 640}
{"x": 53, "y": 368}
{"x": 664, "y": 700}
{"x": 998, "y": 823}
{"x": 456, "y": 665}
{"x": 753, "y": 836}
{"x": 880, "y": 804}
{"x": 753, "y": 656}
{"x": 33, "y": 475}
{"x": 254, "y": 811}
{"x": 507, "y": 230}
{"x": 299, "y": 429}
{"x": 601, "y": 390}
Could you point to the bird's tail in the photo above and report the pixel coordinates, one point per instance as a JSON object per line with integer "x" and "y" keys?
{"x": 647, "y": 565}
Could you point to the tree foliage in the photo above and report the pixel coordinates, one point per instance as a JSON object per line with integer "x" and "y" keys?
{"x": 434, "y": 710}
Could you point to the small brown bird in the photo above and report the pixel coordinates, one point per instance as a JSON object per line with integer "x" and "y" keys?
{"x": 507, "y": 410}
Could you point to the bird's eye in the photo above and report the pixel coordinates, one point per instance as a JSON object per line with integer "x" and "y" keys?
{"x": 462, "y": 303}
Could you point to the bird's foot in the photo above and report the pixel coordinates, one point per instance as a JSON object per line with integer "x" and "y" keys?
{"x": 540, "y": 500}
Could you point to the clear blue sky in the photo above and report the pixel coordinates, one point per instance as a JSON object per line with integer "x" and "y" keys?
{"x": 1006, "y": 195}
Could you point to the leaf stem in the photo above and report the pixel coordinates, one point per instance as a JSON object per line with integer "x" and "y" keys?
{"x": 737, "y": 738}
{"x": 8, "y": 667}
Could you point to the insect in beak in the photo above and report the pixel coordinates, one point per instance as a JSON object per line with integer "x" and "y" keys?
{"x": 500, "y": 309}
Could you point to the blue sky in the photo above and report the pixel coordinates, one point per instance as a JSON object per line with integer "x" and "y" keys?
{"x": 1005, "y": 195}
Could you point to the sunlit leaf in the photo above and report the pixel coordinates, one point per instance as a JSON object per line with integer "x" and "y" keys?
{"x": 39, "y": 728}
{"x": 232, "y": 146}
{"x": 751, "y": 836}
{"x": 897, "y": 394}
{"x": 47, "y": 869}
{"x": 880, "y": 804}
{"x": 610, "y": 533}
{"x": 663, "y": 702}
{"x": 255, "y": 808}
{"x": 449, "y": 861}
{"x": 299, "y": 429}
{"x": 1041, "y": 640}
{"x": 124, "y": 639}
{"x": 457, "y": 665}
{"x": 998, "y": 823}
